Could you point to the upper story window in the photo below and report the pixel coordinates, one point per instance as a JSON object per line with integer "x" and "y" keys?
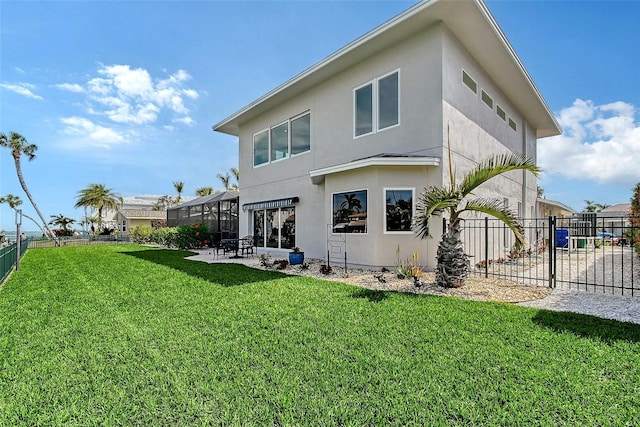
{"x": 282, "y": 141}
{"x": 376, "y": 104}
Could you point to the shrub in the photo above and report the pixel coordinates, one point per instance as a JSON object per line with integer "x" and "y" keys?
{"x": 141, "y": 234}
{"x": 192, "y": 236}
{"x": 166, "y": 236}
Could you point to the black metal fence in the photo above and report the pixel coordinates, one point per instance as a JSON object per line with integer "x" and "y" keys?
{"x": 581, "y": 253}
{"x": 75, "y": 241}
{"x": 8, "y": 257}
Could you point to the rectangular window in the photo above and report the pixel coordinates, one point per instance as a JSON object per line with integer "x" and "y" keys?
{"x": 271, "y": 223}
{"x": 388, "y": 101}
{"x": 364, "y": 110}
{"x": 280, "y": 142}
{"x": 301, "y": 134}
{"x": 471, "y": 84}
{"x": 377, "y": 105}
{"x": 512, "y": 124}
{"x": 501, "y": 113}
{"x": 261, "y": 148}
{"x": 258, "y": 228}
{"x": 349, "y": 212}
{"x": 398, "y": 210}
{"x": 275, "y": 228}
{"x": 487, "y": 99}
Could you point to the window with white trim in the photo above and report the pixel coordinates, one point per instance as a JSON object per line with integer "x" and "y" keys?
{"x": 398, "y": 210}
{"x": 283, "y": 140}
{"x": 377, "y": 105}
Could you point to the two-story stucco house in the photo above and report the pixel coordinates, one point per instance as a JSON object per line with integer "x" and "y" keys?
{"x": 342, "y": 151}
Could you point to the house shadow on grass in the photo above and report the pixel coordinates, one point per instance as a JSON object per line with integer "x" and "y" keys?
{"x": 371, "y": 295}
{"x": 221, "y": 274}
{"x": 587, "y": 326}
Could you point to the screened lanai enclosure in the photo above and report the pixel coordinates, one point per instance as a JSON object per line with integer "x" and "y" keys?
{"x": 218, "y": 211}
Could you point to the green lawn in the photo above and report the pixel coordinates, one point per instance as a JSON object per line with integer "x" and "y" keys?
{"x": 127, "y": 335}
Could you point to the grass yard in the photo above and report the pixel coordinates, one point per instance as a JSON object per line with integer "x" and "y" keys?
{"x": 128, "y": 335}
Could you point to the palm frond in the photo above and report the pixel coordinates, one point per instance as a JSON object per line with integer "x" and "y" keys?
{"x": 495, "y": 166}
{"x": 433, "y": 201}
{"x": 496, "y": 209}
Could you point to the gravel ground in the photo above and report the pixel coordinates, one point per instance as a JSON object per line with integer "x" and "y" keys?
{"x": 617, "y": 307}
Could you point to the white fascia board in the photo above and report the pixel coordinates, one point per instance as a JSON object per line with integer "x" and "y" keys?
{"x": 317, "y": 176}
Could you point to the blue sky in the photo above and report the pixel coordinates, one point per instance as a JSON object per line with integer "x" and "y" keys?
{"x": 125, "y": 93}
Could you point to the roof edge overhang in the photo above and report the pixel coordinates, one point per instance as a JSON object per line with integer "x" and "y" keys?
{"x": 470, "y": 21}
{"x": 317, "y": 175}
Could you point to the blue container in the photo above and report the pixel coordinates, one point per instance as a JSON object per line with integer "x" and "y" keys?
{"x": 296, "y": 258}
{"x": 562, "y": 238}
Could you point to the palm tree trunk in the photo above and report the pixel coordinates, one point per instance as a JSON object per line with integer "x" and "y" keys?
{"x": 16, "y": 159}
{"x": 452, "y": 263}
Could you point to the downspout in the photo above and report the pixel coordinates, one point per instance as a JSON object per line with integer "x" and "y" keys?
{"x": 524, "y": 172}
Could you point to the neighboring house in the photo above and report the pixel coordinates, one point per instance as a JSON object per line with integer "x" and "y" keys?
{"x": 127, "y": 218}
{"x": 341, "y": 152}
{"x": 615, "y": 219}
{"x": 547, "y": 208}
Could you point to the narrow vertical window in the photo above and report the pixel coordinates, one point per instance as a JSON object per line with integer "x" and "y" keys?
{"x": 512, "y": 124}
{"x": 364, "y": 110}
{"x": 261, "y": 148}
{"x": 280, "y": 142}
{"x": 301, "y": 134}
{"x": 388, "y": 101}
{"x": 501, "y": 113}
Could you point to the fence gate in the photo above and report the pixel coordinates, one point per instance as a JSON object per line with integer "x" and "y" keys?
{"x": 578, "y": 253}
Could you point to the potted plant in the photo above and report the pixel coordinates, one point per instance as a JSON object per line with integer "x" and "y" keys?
{"x": 296, "y": 256}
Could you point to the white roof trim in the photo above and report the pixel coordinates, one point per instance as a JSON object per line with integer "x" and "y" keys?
{"x": 317, "y": 176}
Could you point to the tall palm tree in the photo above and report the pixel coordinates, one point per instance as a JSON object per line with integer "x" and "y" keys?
{"x": 18, "y": 145}
{"x": 225, "y": 180}
{"x": 179, "y": 186}
{"x": 204, "y": 191}
{"x": 14, "y": 202}
{"x": 98, "y": 196}
{"x": 452, "y": 263}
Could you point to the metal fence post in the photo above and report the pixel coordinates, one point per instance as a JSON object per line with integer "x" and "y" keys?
{"x": 486, "y": 247}
{"x": 552, "y": 251}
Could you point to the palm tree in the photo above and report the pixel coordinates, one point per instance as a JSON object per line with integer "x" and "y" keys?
{"x": 18, "y": 145}
{"x": 204, "y": 191}
{"x": 14, "y": 202}
{"x": 163, "y": 203}
{"x": 62, "y": 221}
{"x": 99, "y": 197}
{"x": 452, "y": 263}
{"x": 226, "y": 180}
{"x": 179, "y": 186}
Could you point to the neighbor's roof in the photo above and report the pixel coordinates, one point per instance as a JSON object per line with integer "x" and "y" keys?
{"x": 470, "y": 21}
{"x": 556, "y": 204}
{"x": 623, "y": 208}
{"x": 143, "y": 214}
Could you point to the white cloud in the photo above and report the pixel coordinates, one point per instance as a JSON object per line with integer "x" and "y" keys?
{"x": 82, "y": 133}
{"x": 24, "y": 89}
{"x": 71, "y": 87}
{"x": 130, "y": 95}
{"x": 186, "y": 120}
{"x": 600, "y": 143}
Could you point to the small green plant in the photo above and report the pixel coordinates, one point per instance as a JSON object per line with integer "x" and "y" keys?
{"x": 265, "y": 260}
